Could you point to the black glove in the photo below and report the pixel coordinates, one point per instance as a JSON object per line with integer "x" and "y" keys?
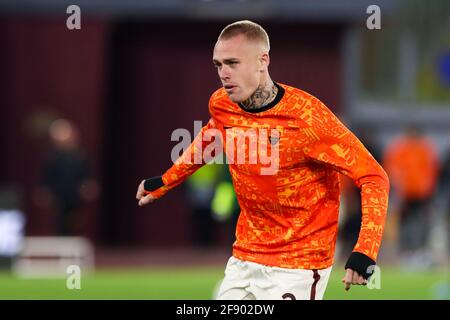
{"x": 360, "y": 263}
{"x": 153, "y": 184}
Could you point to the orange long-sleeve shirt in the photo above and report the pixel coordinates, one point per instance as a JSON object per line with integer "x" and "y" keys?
{"x": 289, "y": 219}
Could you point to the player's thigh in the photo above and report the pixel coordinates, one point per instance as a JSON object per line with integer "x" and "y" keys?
{"x": 322, "y": 283}
{"x": 298, "y": 284}
{"x": 235, "y": 294}
{"x": 235, "y": 282}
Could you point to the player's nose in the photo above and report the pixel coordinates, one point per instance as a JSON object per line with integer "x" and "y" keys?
{"x": 224, "y": 74}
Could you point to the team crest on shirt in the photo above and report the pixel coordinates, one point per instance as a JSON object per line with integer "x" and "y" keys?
{"x": 274, "y": 140}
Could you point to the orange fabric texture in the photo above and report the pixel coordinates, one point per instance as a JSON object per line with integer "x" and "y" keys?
{"x": 289, "y": 219}
{"x": 413, "y": 165}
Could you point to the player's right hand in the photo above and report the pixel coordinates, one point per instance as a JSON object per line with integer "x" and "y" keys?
{"x": 352, "y": 277}
{"x": 143, "y": 196}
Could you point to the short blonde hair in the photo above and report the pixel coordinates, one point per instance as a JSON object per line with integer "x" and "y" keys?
{"x": 249, "y": 29}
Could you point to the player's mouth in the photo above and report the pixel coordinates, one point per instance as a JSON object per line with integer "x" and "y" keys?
{"x": 229, "y": 88}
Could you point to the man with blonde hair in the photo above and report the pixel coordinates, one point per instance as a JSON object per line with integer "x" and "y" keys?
{"x": 287, "y": 228}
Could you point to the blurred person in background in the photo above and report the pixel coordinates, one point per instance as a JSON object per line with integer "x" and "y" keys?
{"x": 200, "y": 189}
{"x": 213, "y": 205}
{"x": 286, "y": 231}
{"x": 444, "y": 190}
{"x": 66, "y": 181}
{"x": 412, "y": 163}
{"x": 225, "y": 205}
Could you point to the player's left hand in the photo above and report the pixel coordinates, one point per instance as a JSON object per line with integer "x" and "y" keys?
{"x": 353, "y": 277}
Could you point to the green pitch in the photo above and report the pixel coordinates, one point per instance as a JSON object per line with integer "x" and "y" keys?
{"x": 199, "y": 283}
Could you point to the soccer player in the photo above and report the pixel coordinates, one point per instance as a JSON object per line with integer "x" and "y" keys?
{"x": 287, "y": 228}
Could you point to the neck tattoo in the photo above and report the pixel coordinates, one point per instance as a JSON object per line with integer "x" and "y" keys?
{"x": 263, "y": 95}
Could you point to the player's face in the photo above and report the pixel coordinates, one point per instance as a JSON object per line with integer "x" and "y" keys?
{"x": 240, "y": 64}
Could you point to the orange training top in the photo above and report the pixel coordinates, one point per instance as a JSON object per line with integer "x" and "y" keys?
{"x": 289, "y": 219}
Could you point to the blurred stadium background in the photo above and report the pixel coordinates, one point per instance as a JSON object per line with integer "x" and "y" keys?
{"x": 86, "y": 114}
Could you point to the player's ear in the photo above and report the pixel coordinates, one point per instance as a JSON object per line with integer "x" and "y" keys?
{"x": 264, "y": 61}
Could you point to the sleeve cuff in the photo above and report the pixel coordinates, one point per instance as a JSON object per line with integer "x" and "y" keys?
{"x": 153, "y": 184}
{"x": 360, "y": 263}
